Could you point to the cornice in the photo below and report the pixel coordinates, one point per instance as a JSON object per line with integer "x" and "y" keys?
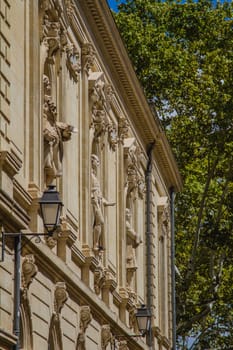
{"x": 110, "y": 47}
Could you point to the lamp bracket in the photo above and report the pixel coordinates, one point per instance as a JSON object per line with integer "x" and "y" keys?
{"x": 19, "y": 234}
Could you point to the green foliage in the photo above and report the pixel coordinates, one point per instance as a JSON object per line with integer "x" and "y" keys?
{"x": 183, "y": 56}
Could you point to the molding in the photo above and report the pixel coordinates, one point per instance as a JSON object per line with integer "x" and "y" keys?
{"x": 7, "y": 339}
{"x": 16, "y": 215}
{"x": 10, "y": 163}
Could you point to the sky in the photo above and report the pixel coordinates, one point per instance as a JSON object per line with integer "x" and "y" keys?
{"x": 113, "y": 4}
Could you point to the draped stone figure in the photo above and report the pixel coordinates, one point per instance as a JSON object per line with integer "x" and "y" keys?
{"x": 98, "y": 202}
{"x": 55, "y": 133}
{"x": 133, "y": 240}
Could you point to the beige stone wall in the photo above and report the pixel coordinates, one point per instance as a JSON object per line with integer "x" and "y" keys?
{"x": 64, "y": 71}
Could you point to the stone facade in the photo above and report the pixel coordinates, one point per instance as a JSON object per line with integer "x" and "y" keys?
{"x": 73, "y": 114}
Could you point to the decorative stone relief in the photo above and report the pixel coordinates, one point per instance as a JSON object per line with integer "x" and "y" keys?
{"x": 73, "y": 62}
{"x": 97, "y": 89}
{"x": 109, "y": 93}
{"x": 97, "y": 107}
{"x": 60, "y": 297}
{"x": 55, "y": 133}
{"x": 69, "y": 6}
{"x": 112, "y": 136}
{"x": 29, "y": 271}
{"x": 98, "y": 124}
{"x": 88, "y": 56}
{"x": 132, "y": 242}
{"x": 98, "y": 202}
{"x": 123, "y": 129}
{"x": 52, "y": 32}
{"x": 122, "y": 345}
{"x": 99, "y": 279}
{"x": 85, "y": 319}
{"x": 135, "y": 184}
{"x": 106, "y": 336}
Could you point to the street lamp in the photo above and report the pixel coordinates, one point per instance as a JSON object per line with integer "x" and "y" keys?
{"x": 143, "y": 317}
{"x": 50, "y": 207}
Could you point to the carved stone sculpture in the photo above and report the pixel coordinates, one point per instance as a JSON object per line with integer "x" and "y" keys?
{"x": 73, "y": 62}
{"x": 123, "y": 129}
{"x": 133, "y": 241}
{"x": 98, "y": 202}
{"x": 85, "y": 319}
{"x": 112, "y": 136}
{"x": 55, "y": 133}
{"x": 29, "y": 271}
{"x": 106, "y": 336}
{"x": 122, "y": 345}
{"x": 60, "y": 297}
{"x": 88, "y": 56}
{"x": 99, "y": 279}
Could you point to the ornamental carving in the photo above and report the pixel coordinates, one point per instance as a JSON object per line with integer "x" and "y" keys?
{"x": 85, "y": 319}
{"x": 112, "y": 136}
{"x": 73, "y": 62}
{"x": 88, "y": 56}
{"x": 99, "y": 279}
{"x": 109, "y": 93}
{"x": 52, "y": 34}
{"x": 55, "y": 133}
{"x": 135, "y": 184}
{"x": 133, "y": 240}
{"x": 29, "y": 271}
{"x": 122, "y": 345}
{"x": 98, "y": 204}
{"x": 60, "y": 297}
{"x": 123, "y": 129}
{"x": 106, "y": 336}
{"x": 98, "y": 123}
{"x": 69, "y": 6}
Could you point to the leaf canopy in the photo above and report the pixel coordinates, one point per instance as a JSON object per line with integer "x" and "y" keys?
{"x": 183, "y": 56}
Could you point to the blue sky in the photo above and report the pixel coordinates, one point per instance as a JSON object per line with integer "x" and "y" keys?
{"x": 113, "y": 4}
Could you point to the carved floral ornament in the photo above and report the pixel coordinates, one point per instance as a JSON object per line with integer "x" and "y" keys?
{"x": 60, "y": 297}
{"x": 106, "y": 336}
{"x": 29, "y": 271}
{"x": 88, "y": 56}
{"x": 73, "y": 61}
{"x": 135, "y": 183}
{"x": 85, "y": 319}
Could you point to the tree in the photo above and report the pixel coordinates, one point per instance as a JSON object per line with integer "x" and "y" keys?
{"x": 183, "y": 56}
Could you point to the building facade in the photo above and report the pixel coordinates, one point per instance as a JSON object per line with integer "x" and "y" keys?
{"x": 73, "y": 115}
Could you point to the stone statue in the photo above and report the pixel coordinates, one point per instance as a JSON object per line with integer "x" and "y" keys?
{"x": 98, "y": 202}
{"x": 55, "y": 133}
{"x": 133, "y": 240}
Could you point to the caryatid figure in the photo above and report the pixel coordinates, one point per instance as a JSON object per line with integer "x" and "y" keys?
{"x": 55, "y": 133}
{"x": 98, "y": 202}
